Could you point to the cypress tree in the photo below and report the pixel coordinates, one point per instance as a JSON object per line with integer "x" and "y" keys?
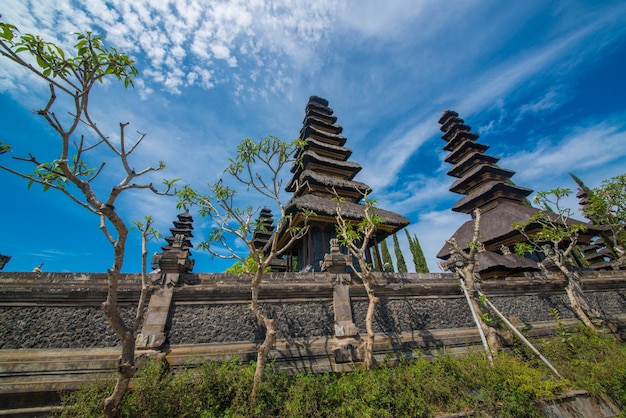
{"x": 581, "y": 184}
{"x": 418, "y": 255}
{"x": 399, "y": 257}
{"x": 387, "y": 261}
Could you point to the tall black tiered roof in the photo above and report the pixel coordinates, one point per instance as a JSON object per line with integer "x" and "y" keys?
{"x": 487, "y": 187}
{"x": 324, "y": 171}
{"x": 479, "y": 178}
{"x": 183, "y": 226}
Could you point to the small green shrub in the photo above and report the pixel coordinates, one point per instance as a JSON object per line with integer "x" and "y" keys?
{"x": 594, "y": 362}
{"x": 84, "y": 402}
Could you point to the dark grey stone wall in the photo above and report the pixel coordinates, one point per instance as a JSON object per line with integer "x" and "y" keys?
{"x": 196, "y": 324}
{"x": 53, "y": 313}
{"x": 57, "y": 327}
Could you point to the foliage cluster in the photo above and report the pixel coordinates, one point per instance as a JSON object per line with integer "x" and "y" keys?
{"x": 606, "y": 206}
{"x": 418, "y": 255}
{"x": 416, "y": 388}
{"x": 595, "y": 362}
{"x": 399, "y": 256}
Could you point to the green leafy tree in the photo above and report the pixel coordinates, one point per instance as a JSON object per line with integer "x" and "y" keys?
{"x": 418, "y": 255}
{"x": 552, "y": 233}
{"x": 386, "y": 255}
{"x": 606, "y": 206}
{"x": 399, "y": 256}
{"x": 257, "y": 166}
{"x": 356, "y": 237}
{"x": 74, "y": 173}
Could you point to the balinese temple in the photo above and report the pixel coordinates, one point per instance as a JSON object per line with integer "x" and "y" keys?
{"x": 176, "y": 254}
{"x": 263, "y": 231}
{"x": 324, "y": 171}
{"x": 487, "y": 187}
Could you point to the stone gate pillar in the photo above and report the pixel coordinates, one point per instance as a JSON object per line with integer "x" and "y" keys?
{"x": 346, "y": 332}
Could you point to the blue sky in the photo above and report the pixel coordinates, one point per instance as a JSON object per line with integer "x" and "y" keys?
{"x": 542, "y": 82}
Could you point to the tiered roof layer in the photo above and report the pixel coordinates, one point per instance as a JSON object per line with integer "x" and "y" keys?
{"x": 324, "y": 172}
{"x": 483, "y": 183}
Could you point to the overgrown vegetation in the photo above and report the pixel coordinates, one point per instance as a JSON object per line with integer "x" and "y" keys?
{"x": 416, "y": 388}
{"x": 554, "y": 235}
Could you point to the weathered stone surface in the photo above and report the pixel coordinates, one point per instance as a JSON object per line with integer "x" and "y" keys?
{"x": 57, "y": 327}
{"x": 63, "y": 311}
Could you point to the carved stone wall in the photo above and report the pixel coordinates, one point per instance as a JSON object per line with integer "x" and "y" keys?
{"x": 63, "y": 310}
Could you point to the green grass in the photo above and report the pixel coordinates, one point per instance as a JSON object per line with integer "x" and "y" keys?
{"x": 416, "y": 388}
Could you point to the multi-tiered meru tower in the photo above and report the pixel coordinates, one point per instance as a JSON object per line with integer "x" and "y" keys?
{"x": 323, "y": 173}
{"x": 487, "y": 187}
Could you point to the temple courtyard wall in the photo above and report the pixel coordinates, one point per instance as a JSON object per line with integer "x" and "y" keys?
{"x": 53, "y": 335}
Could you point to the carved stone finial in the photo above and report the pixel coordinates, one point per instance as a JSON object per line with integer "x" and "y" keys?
{"x": 335, "y": 261}
{"x": 505, "y": 250}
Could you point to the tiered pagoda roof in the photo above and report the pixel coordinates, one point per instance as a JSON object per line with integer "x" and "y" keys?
{"x": 487, "y": 187}
{"x": 596, "y": 253}
{"x": 324, "y": 161}
{"x": 483, "y": 183}
{"x": 324, "y": 172}
{"x": 264, "y": 229}
{"x": 176, "y": 255}
{"x": 183, "y": 226}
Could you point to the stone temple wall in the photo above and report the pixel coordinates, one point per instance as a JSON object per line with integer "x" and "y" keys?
{"x": 53, "y": 335}
{"x": 55, "y": 310}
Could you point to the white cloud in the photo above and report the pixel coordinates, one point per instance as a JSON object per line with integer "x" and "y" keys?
{"x": 392, "y": 152}
{"x": 433, "y": 229}
{"x": 177, "y": 36}
{"x": 550, "y": 101}
{"x": 583, "y": 149}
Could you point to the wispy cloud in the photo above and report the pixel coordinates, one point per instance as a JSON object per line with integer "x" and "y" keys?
{"x": 582, "y": 148}
{"x": 182, "y": 41}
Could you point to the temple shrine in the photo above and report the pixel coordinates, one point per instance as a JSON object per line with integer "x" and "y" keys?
{"x": 176, "y": 255}
{"x": 323, "y": 174}
{"x": 487, "y": 187}
{"x": 597, "y": 253}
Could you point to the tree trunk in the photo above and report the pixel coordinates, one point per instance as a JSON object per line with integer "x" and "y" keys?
{"x": 126, "y": 368}
{"x": 265, "y": 347}
{"x": 491, "y": 334}
{"x": 126, "y": 371}
{"x": 369, "y": 319}
{"x": 573, "y": 301}
{"x": 575, "y": 295}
